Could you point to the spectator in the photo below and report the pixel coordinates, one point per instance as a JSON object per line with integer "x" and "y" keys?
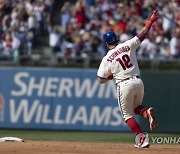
{"x": 65, "y": 15}
{"x": 80, "y": 15}
{"x": 49, "y": 4}
{"x": 175, "y": 44}
{"x": 14, "y": 19}
{"x": 167, "y": 21}
{"x": 7, "y": 45}
{"x": 54, "y": 40}
{"x": 39, "y": 16}
{"x": 16, "y": 42}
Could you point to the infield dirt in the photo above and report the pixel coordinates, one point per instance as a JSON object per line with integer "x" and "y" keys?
{"x": 57, "y": 147}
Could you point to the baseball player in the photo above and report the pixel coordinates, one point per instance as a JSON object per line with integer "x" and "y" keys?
{"x": 121, "y": 64}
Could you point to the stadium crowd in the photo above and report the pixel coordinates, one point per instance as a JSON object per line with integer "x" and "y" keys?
{"x": 21, "y": 21}
{"x": 82, "y": 25}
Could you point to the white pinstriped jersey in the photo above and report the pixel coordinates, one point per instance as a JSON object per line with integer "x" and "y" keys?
{"x": 121, "y": 61}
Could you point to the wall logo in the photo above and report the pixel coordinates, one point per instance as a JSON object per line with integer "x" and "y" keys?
{"x": 2, "y": 104}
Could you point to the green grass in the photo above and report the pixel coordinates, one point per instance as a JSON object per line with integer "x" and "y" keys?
{"x": 76, "y": 136}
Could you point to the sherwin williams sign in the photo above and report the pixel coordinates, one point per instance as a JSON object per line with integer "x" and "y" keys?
{"x": 72, "y": 99}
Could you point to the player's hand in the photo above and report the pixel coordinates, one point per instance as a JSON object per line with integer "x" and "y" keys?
{"x": 110, "y": 76}
{"x": 154, "y": 16}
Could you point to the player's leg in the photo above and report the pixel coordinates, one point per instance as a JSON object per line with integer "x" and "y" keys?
{"x": 140, "y": 109}
{"x": 125, "y": 100}
{"x": 133, "y": 125}
{"x": 148, "y": 113}
{"x": 126, "y": 103}
{"x": 142, "y": 139}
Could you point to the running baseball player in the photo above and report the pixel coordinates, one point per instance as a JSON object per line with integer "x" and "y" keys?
{"x": 121, "y": 64}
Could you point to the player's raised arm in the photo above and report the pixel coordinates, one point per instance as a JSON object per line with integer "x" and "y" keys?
{"x": 144, "y": 31}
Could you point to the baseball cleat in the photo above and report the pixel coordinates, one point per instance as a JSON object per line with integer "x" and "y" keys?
{"x": 152, "y": 118}
{"x": 142, "y": 141}
{"x": 145, "y": 145}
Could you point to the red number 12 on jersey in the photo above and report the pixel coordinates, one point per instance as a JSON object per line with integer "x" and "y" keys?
{"x": 124, "y": 61}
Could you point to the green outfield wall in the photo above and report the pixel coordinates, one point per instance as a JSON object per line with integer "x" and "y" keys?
{"x": 162, "y": 91}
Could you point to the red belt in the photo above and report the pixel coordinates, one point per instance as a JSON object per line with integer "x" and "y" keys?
{"x": 137, "y": 76}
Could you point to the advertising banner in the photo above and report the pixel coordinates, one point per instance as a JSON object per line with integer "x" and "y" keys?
{"x": 58, "y": 99}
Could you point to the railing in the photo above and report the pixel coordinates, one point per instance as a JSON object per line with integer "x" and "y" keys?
{"x": 49, "y": 60}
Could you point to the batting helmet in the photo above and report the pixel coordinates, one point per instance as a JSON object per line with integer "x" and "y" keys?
{"x": 110, "y": 37}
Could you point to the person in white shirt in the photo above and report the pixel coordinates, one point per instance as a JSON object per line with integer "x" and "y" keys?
{"x": 175, "y": 45}
{"x": 54, "y": 40}
{"x": 121, "y": 64}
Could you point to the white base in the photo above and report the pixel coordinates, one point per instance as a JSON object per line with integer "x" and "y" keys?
{"x": 11, "y": 139}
